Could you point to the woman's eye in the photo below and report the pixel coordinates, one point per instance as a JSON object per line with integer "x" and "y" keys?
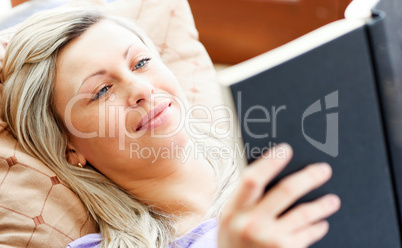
{"x": 142, "y": 63}
{"x": 103, "y": 91}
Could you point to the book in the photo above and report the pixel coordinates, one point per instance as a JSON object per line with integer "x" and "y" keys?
{"x": 324, "y": 94}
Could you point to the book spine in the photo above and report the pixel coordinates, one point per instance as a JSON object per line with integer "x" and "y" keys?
{"x": 390, "y": 100}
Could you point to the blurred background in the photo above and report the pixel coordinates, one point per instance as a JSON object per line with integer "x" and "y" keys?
{"x": 4, "y": 6}
{"x": 235, "y": 30}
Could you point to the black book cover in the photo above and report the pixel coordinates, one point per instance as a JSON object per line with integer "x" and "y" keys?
{"x": 386, "y": 43}
{"x": 320, "y": 95}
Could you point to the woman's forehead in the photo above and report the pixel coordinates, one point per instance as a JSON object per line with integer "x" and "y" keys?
{"x": 105, "y": 35}
{"x": 103, "y": 43}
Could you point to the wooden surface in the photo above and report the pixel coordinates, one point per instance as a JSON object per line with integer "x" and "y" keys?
{"x": 235, "y": 30}
{"x": 16, "y": 2}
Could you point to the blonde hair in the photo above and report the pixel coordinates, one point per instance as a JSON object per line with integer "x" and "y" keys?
{"x": 28, "y": 107}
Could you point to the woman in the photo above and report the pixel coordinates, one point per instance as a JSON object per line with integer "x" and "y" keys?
{"x": 82, "y": 91}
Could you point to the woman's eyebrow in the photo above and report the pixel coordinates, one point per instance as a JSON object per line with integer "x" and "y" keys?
{"x": 100, "y": 72}
{"x": 103, "y": 71}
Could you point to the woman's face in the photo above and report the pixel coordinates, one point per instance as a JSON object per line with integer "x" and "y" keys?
{"x": 117, "y": 100}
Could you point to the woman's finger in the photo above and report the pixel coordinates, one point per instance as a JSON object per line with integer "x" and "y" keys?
{"x": 291, "y": 188}
{"x": 311, "y": 212}
{"x": 259, "y": 174}
{"x": 309, "y": 235}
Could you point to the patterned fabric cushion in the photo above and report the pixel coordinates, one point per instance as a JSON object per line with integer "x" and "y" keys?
{"x": 36, "y": 208}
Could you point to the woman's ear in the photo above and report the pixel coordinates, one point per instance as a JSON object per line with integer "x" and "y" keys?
{"x": 74, "y": 157}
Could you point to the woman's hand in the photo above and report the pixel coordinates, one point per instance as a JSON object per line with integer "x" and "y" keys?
{"x": 252, "y": 219}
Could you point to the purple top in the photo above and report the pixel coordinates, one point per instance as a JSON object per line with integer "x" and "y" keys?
{"x": 204, "y": 235}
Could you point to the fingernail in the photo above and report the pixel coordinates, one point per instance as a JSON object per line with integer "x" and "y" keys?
{"x": 283, "y": 148}
{"x": 284, "y": 145}
{"x": 324, "y": 168}
{"x": 279, "y": 146}
{"x": 324, "y": 224}
{"x": 333, "y": 200}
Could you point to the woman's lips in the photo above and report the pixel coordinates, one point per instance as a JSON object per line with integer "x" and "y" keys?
{"x": 155, "y": 117}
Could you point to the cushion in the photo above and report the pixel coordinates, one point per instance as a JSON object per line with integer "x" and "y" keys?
{"x": 36, "y": 208}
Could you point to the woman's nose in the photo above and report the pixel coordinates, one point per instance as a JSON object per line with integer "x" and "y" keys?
{"x": 139, "y": 93}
